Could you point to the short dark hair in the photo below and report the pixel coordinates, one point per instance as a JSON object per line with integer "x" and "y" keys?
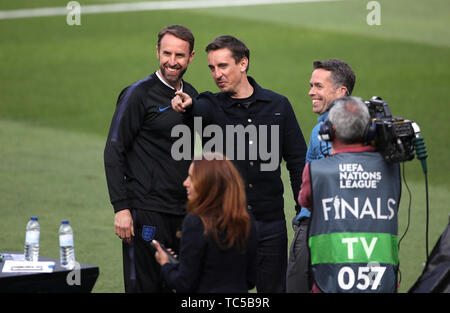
{"x": 341, "y": 73}
{"x": 238, "y": 49}
{"x": 178, "y": 31}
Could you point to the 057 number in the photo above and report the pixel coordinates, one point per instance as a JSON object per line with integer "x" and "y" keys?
{"x": 367, "y": 276}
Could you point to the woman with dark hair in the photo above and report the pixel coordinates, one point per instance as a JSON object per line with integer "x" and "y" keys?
{"x": 218, "y": 240}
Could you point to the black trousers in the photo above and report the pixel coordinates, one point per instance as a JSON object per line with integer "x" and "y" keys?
{"x": 140, "y": 270}
{"x": 272, "y": 256}
{"x": 298, "y": 278}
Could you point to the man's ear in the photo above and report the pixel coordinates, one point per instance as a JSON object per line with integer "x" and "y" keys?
{"x": 243, "y": 64}
{"x": 191, "y": 57}
{"x": 342, "y": 91}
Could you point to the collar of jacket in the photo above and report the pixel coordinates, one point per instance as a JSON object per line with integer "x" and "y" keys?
{"x": 260, "y": 93}
{"x": 323, "y": 117}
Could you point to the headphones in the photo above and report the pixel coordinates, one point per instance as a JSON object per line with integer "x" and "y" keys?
{"x": 326, "y": 128}
{"x": 326, "y": 132}
{"x": 370, "y": 132}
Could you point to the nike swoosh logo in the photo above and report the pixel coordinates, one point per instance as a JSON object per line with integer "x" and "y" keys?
{"x": 162, "y": 109}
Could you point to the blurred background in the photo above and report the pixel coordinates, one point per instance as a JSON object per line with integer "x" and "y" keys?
{"x": 59, "y": 84}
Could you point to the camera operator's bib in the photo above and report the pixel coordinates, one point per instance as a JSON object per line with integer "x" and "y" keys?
{"x": 353, "y": 232}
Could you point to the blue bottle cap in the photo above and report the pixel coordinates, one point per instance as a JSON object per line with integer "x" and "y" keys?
{"x": 64, "y": 222}
{"x": 34, "y": 218}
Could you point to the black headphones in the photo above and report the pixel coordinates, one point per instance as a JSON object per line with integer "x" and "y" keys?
{"x": 326, "y": 128}
{"x": 326, "y": 132}
{"x": 370, "y": 132}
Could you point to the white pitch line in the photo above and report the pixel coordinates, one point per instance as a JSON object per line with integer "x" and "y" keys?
{"x": 141, "y": 6}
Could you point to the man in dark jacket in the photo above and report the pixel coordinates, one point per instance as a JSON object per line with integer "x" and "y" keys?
{"x": 259, "y": 129}
{"x": 144, "y": 181}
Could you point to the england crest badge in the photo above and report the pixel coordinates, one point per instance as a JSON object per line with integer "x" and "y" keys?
{"x": 148, "y": 232}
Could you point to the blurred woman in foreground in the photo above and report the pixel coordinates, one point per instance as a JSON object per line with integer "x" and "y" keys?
{"x": 218, "y": 239}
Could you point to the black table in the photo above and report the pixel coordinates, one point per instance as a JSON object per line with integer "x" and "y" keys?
{"x": 60, "y": 280}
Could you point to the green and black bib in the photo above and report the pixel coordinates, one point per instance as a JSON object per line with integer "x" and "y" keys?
{"x": 353, "y": 232}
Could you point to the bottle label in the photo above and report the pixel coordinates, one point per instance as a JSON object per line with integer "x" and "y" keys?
{"x": 32, "y": 237}
{"x": 66, "y": 240}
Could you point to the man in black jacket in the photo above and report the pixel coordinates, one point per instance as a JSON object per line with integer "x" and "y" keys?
{"x": 144, "y": 181}
{"x": 259, "y": 128}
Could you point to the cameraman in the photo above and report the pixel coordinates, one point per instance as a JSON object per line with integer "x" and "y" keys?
{"x": 354, "y": 197}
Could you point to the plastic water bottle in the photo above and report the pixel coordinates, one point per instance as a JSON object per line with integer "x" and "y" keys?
{"x": 31, "y": 251}
{"x": 66, "y": 248}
